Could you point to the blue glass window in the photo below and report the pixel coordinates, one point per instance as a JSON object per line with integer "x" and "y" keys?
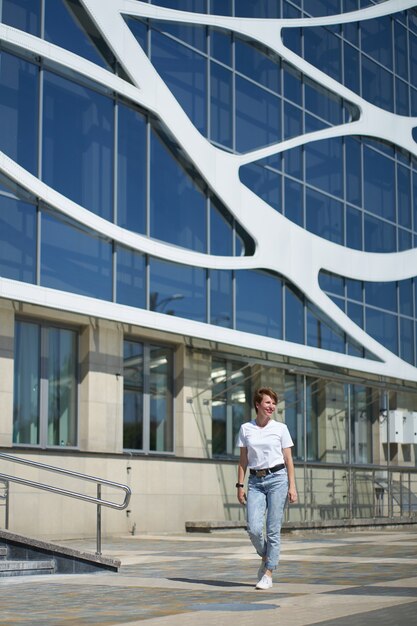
{"x": 221, "y": 313}
{"x": 381, "y": 295}
{"x": 256, "y": 65}
{"x": 133, "y": 387}
{"x": 221, "y": 46}
{"x": 354, "y": 289}
{"x": 293, "y": 121}
{"x": 321, "y": 104}
{"x": 400, "y": 47}
{"x": 178, "y": 206}
{"x": 379, "y": 191}
{"x": 178, "y": 290}
{"x": 404, "y": 196}
{"x": 221, "y": 7}
{"x": 221, "y": 99}
{"x": 78, "y": 144}
{"x": 293, "y": 85}
{"x": 294, "y": 316}
{"x": 377, "y": 85}
{"x": 324, "y": 165}
{"x": 259, "y": 303}
{"x": 196, "y": 6}
{"x": 193, "y": 35}
{"x": 264, "y": 182}
{"x": 413, "y": 58}
{"x": 294, "y": 162}
{"x": 355, "y": 313}
{"x": 379, "y": 235}
{"x": 324, "y": 216}
{"x": 353, "y": 171}
{"x": 257, "y": 8}
{"x": 73, "y": 259}
{"x": 405, "y": 241}
{"x": 18, "y": 240}
{"x": 257, "y": 116}
{"x": 382, "y": 327}
{"x": 322, "y": 335}
{"x": 139, "y": 31}
{"x": 221, "y": 232}
{"x": 353, "y": 228}
{"x": 402, "y": 97}
{"x": 63, "y": 29}
{"x": 323, "y": 49}
{"x": 19, "y": 110}
{"x": 376, "y": 40}
{"x": 185, "y": 73}
{"x": 351, "y": 67}
{"x": 22, "y": 14}
{"x": 131, "y": 164}
{"x": 407, "y": 340}
{"x": 406, "y": 297}
{"x": 350, "y": 30}
{"x": 131, "y": 272}
{"x": 293, "y": 202}
{"x": 331, "y": 283}
{"x": 317, "y": 8}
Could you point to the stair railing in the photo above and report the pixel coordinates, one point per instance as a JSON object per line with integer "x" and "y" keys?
{"x": 99, "y": 501}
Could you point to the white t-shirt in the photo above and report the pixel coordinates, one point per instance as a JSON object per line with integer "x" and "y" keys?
{"x": 264, "y": 444}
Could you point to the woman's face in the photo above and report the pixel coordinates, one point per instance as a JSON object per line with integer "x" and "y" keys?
{"x": 266, "y": 407}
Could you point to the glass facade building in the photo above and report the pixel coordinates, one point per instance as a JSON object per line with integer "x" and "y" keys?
{"x": 199, "y": 197}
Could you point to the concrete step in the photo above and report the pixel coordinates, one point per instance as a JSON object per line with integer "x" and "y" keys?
{"x": 26, "y": 568}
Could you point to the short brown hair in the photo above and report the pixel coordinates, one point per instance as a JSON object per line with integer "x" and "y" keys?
{"x": 261, "y": 392}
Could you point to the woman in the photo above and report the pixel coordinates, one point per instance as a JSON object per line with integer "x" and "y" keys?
{"x": 265, "y": 447}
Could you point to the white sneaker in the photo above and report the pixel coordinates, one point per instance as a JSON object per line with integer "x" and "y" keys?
{"x": 265, "y": 582}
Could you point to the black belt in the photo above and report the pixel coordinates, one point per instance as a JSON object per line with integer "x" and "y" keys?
{"x": 269, "y": 470}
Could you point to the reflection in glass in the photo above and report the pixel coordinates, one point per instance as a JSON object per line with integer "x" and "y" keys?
{"x": 131, "y": 285}
{"x": 19, "y": 110}
{"x": 362, "y": 408}
{"x": 72, "y": 259}
{"x": 161, "y": 399}
{"x": 218, "y": 407}
{"x": 178, "y": 205}
{"x": 26, "y": 383}
{"x": 133, "y": 379}
{"x": 221, "y": 298}
{"x": 78, "y": 144}
{"x": 185, "y": 73}
{"x": 62, "y": 387}
{"x": 63, "y": 29}
{"x": 178, "y": 290}
{"x": 18, "y": 234}
{"x": 259, "y": 303}
{"x": 22, "y": 14}
{"x": 131, "y": 163}
{"x": 294, "y": 412}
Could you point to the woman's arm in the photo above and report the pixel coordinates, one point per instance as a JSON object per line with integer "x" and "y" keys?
{"x": 241, "y": 471}
{"x": 292, "y": 491}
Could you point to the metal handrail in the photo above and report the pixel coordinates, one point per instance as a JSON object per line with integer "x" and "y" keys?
{"x": 66, "y": 492}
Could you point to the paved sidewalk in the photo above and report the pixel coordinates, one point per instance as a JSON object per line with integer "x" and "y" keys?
{"x": 338, "y": 579}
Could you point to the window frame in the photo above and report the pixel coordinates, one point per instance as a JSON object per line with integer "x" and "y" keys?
{"x": 43, "y": 382}
{"x": 146, "y": 399}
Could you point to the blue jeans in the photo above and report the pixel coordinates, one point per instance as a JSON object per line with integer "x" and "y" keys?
{"x": 267, "y": 495}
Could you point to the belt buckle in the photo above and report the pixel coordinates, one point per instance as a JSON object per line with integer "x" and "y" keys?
{"x": 261, "y": 473}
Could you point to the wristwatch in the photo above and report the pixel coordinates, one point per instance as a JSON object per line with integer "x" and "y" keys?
{"x": 239, "y": 485}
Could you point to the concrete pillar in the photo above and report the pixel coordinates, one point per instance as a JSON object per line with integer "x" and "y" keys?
{"x": 101, "y": 387}
{"x": 6, "y": 369}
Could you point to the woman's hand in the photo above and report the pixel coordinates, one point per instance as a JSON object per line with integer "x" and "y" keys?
{"x": 292, "y": 495}
{"x": 241, "y": 495}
